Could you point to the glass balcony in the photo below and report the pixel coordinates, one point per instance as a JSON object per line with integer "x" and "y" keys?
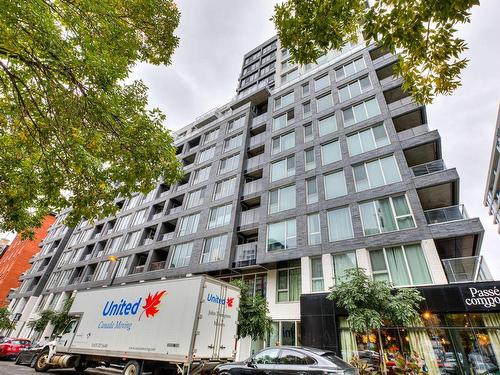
{"x": 257, "y": 120}
{"x": 253, "y": 187}
{"x": 156, "y": 266}
{"x": 246, "y": 255}
{"x": 257, "y": 139}
{"x": 249, "y": 216}
{"x": 412, "y": 132}
{"x": 446, "y": 214}
{"x": 428, "y": 168}
{"x": 466, "y": 269}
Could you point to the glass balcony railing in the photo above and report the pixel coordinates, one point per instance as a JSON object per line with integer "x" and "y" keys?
{"x": 412, "y": 132}
{"x": 428, "y": 168}
{"x": 466, "y": 269}
{"x": 446, "y": 214}
{"x": 253, "y": 187}
{"x": 249, "y": 216}
{"x": 157, "y": 266}
{"x": 246, "y": 255}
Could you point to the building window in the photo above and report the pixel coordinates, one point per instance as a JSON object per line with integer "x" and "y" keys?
{"x": 327, "y": 125}
{"x": 284, "y": 100}
{"x": 188, "y": 224}
{"x": 317, "y": 282}
{"x": 196, "y": 197}
{"x": 321, "y": 83}
{"x": 201, "y": 175}
{"x": 134, "y": 201}
{"x": 233, "y": 142}
{"x": 305, "y": 89}
{"x": 310, "y": 159}
{"x": 376, "y": 173}
{"x": 283, "y": 142}
{"x": 342, "y": 263}
{"x": 140, "y": 217}
{"x": 324, "y": 102}
{"x": 281, "y": 122}
{"x": 219, "y": 216}
{"x": 330, "y": 152}
{"x": 123, "y": 222}
{"x": 214, "y": 249}
{"x": 206, "y": 154}
{"x": 313, "y": 229}
{"x": 291, "y": 75}
{"x": 122, "y": 267}
{"x": 131, "y": 240}
{"x": 400, "y": 265}
{"x": 386, "y": 215}
{"x": 282, "y": 235}
{"x": 367, "y": 140}
{"x": 282, "y": 199}
{"x": 283, "y": 168}
{"x": 350, "y": 68}
{"x": 339, "y": 224}
{"x": 306, "y": 109}
{"x": 289, "y": 285}
{"x": 181, "y": 255}
{"x": 112, "y": 246}
{"x": 355, "y": 88}
{"x": 308, "y": 132}
{"x": 229, "y": 164}
{"x": 311, "y": 190}
{"x": 211, "y": 136}
{"x": 360, "y": 112}
{"x": 102, "y": 271}
{"x": 224, "y": 188}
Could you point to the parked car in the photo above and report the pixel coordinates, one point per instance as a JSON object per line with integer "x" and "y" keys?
{"x": 28, "y": 356}
{"x": 10, "y": 347}
{"x": 288, "y": 360}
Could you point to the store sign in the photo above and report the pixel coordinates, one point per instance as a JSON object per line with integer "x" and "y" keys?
{"x": 481, "y": 297}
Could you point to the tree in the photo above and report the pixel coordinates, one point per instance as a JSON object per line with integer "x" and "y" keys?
{"x": 253, "y": 319}
{"x": 423, "y": 32}
{"x": 371, "y": 304}
{"x": 72, "y": 133}
{"x": 5, "y": 322}
{"x": 59, "y": 319}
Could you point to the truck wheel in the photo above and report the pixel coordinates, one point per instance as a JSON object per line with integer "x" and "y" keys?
{"x": 132, "y": 368}
{"x": 81, "y": 367}
{"x": 42, "y": 363}
{"x": 18, "y": 360}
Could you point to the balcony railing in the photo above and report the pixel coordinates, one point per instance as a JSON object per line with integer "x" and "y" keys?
{"x": 400, "y": 103}
{"x": 446, "y": 214}
{"x": 175, "y": 210}
{"x": 257, "y": 120}
{"x": 412, "y": 132}
{"x": 137, "y": 269}
{"x": 246, "y": 255}
{"x": 466, "y": 269}
{"x": 156, "y": 266}
{"x": 249, "y": 216}
{"x": 256, "y": 161}
{"x": 88, "y": 278}
{"x": 168, "y": 236}
{"x": 428, "y": 168}
{"x": 253, "y": 187}
{"x": 257, "y": 139}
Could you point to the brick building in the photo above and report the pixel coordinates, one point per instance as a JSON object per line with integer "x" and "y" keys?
{"x": 15, "y": 259}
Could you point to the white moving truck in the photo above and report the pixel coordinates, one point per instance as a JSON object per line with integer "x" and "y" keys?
{"x": 183, "y": 325}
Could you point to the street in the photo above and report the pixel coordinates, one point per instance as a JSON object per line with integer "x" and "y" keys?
{"x": 9, "y": 368}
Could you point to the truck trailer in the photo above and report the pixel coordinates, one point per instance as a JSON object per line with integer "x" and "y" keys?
{"x": 186, "y": 325}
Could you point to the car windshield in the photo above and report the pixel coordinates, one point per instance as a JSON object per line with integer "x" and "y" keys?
{"x": 336, "y": 361}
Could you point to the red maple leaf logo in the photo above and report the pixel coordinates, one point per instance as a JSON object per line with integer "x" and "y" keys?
{"x": 152, "y": 302}
{"x": 230, "y": 302}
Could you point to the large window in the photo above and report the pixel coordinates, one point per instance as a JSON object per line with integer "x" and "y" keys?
{"x": 113, "y": 245}
{"x": 355, "y": 88}
{"x": 181, "y": 255}
{"x": 367, "y": 140}
{"x": 350, "y": 68}
{"x": 196, "y": 197}
{"x": 289, "y": 285}
{"x": 308, "y": 132}
{"x": 327, "y": 125}
{"x": 219, "y": 216}
{"x": 131, "y": 240}
{"x": 341, "y": 263}
{"x": 188, "y": 224}
{"x": 376, "y": 173}
{"x": 330, "y": 152}
{"x": 335, "y": 185}
{"x": 400, "y": 265}
{"x": 211, "y": 136}
{"x": 283, "y": 142}
{"x": 123, "y": 222}
{"x": 281, "y": 122}
{"x": 236, "y": 123}
{"x": 282, "y": 199}
{"x": 386, "y": 215}
{"x": 282, "y": 235}
{"x": 233, "y": 142}
{"x": 284, "y": 100}
{"x": 206, "y": 154}
{"x": 214, "y": 249}
{"x": 313, "y": 229}
{"x": 201, "y": 175}
{"x": 140, "y": 217}
{"x": 324, "y": 102}
{"x": 311, "y": 190}
{"x": 101, "y": 271}
{"x": 224, "y": 188}
{"x": 339, "y": 224}
{"x": 317, "y": 282}
{"x": 360, "y": 112}
{"x": 122, "y": 267}
{"x": 309, "y": 159}
{"x": 321, "y": 83}
{"x": 229, "y": 164}
{"x": 283, "y": 168}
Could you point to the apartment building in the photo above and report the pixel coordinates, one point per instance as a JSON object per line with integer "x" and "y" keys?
{"x": 492, "y": 193}
{"x": 308, "y": 171}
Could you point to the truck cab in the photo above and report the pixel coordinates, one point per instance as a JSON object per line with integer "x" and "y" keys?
{"x": 64, "y": 341}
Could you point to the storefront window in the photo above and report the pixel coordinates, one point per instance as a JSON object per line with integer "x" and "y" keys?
{"x": 285, "y": 333}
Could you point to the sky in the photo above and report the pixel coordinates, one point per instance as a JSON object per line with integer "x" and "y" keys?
{"x": 214, "y": 36}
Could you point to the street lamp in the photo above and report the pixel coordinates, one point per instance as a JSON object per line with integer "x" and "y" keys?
{"x": 113, "y": 259}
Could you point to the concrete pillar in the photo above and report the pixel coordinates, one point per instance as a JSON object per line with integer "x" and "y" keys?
{"x": 305, "y": 270}
{"x": 434, "y": 262}
{"x": 328, "y": 272}
{"x": 363, "y": 260}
